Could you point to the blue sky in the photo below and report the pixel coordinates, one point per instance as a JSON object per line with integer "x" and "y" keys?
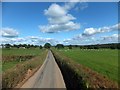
{"x": 66, "y": 23}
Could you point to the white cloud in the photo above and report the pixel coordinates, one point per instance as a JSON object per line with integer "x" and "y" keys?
{"x": 67, "y": 41}
{"x": 60, "y": 27}
{"x": 69, "y": 5}
{"x": 40, "y": 40}
{"x": 81, "y": 6}
{"x": 79, "y": 40}
{"x": 33, "y": 37}
{"x": 83, "y": 40}
{"x": 55, "y": 11}
{"x": 12, "y": 40}
{"x": 93, "y": 31}
{"x": 90, "y": 31}
{"x": 116, "y": 27}
{"x": 78, "y": 5}
{"x": 9, "y": 32}
{"x": 57, "y": 14}
{"x": 59, "y": 20}
{"x": 28, "y": 40}
{"x": 111, "y": 39}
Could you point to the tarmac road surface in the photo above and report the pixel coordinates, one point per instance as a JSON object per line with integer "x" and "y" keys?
{"x": 48, "y": 76}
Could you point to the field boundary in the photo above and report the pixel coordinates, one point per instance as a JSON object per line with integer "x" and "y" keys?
{"x": 91, "y": 78}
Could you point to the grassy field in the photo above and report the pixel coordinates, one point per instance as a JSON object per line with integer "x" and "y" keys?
{"x": 14, "y": 51}
{"x": 102, "y": 61}
{"x": 14, "y": 71}
{"x": 17, "y": 52}
{"x": 9, "y": 65}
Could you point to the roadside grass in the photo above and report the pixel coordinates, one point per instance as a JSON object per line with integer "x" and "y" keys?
{"x": 104, "y": 61}
{"x": 0, "y": 66}
{"x": 80, "y": 76}
{"x": 0, "y": 60}
{"x": 17, "y": 73}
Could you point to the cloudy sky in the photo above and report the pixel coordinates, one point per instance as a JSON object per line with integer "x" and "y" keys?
{"x": 67, "y": 23}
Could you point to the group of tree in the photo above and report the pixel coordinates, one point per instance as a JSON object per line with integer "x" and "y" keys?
{"x": 60, "y": 46}
{"x": 47, "y": 45}
{"x": 21, "y": 46}
{"x": 103, "y": 46}
{"x": 97, "y": 46}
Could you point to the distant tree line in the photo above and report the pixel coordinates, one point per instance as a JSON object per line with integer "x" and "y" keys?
{"x": 47, "y": 45}
{"x": 97, "y": 46}
{"x": 60, "y": 46}
{"x": 103, "y": 46}
{"x": 21, "y": 46}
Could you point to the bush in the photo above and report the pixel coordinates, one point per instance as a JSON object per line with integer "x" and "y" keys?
{"x": 72, "y": 78}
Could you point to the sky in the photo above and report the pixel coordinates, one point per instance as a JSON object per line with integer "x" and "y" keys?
{"x": 76, "y": 23}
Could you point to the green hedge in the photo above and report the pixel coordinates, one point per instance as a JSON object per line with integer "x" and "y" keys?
{"x": 80, "y": 77}
{"x": 72, "y": 77}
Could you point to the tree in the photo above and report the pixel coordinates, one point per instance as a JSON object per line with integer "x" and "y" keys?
{"x": 59, "y": 46}
{"x": 70, "y": 46}
{"x": 76, "y": 45}
{"x": 35, "y": 46}
{"x": 118, "y": 46}
{"x": 112, "y": 47}
{"x": 47, "y": 45}
{"x": 32, "y": 45}
{"x": 90, "y": 47}
{"x": 96, "y": 47}
{"x": 7, "y": 45}
{"x": 40, "y": 47}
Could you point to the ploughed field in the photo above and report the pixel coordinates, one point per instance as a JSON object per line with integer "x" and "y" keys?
{"x": 103, "y": 61}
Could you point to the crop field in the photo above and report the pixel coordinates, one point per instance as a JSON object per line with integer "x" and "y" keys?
{"x": 104, "y": 61}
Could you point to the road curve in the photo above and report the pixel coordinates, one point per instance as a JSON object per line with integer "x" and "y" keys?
{"x": 48, "y": 76}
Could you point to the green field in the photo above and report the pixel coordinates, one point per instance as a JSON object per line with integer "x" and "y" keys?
{"x": 14, "y": 51}
{"x": 18, "y": 52}
{"x": 9, "y": 65}
{"x": 104, "y": 61}
{"x": 17, "y": 62}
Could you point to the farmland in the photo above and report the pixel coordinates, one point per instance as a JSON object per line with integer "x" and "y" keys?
{"x": 15, "y": 51}
{"x": 91, "y": 68}
{"x": 18, "y": 61}
{"x": 10, "y": 56}
{"x": 102, "y": 61}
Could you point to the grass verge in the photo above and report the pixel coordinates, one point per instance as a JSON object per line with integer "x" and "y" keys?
{"x": 104, "y": 62}
{"x": 15, "y": 75}
{"x": 79, "y": 76}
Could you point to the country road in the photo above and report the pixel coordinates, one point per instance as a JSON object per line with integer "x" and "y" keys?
{"x": 48, "y": 76}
